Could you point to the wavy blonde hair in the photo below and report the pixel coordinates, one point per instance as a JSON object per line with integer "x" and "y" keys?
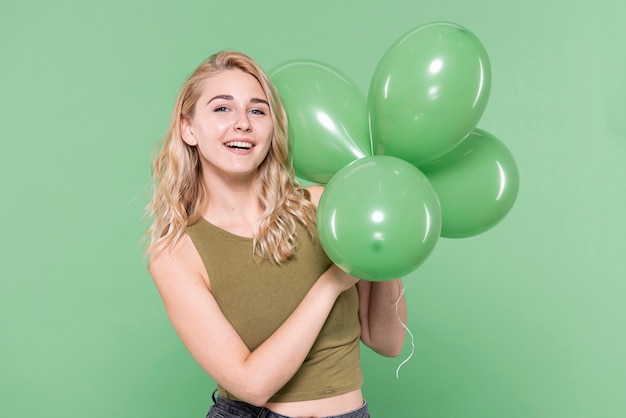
{"x": 180, "y": 196}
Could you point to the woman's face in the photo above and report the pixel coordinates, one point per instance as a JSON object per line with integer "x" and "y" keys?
{"x": 231, "y": 125}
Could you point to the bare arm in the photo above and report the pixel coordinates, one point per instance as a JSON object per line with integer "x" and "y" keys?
{"x": 381, "y": 308}
{"x": 251, "y": 376}
{"x": 381, "y": 329}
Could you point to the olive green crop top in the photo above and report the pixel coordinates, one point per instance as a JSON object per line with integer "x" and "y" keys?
{"x": 257, "y": 297}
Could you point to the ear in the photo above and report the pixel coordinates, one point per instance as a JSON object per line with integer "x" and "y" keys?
{"x": 187, "y": 133}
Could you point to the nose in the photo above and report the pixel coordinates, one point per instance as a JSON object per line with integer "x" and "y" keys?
{"x": 242, "y": 123}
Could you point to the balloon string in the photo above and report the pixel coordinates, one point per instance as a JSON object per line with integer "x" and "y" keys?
{"x": 407, "y": 330}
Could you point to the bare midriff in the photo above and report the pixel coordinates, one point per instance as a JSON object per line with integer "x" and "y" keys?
{"x": 335, "y": 405}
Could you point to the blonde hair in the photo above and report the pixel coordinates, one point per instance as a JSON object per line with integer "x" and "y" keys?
{"x": 180, "y": 196}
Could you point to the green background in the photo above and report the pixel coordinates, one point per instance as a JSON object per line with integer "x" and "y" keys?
{"x": 525, "y": 320}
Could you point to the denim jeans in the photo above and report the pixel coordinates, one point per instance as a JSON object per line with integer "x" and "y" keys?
{"x": 226, "y": 408}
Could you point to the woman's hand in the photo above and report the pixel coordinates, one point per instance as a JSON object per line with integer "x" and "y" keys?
{"x": 338, "y": 278}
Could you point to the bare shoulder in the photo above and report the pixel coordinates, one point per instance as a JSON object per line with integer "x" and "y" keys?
{"x": 180, "y": 262}
{"x": 316, "y": 193}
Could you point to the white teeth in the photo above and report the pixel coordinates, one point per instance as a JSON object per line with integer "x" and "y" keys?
{"x": 239, "y": 144}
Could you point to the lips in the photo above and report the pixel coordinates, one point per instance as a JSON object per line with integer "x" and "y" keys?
{"x": 244, "y": 145}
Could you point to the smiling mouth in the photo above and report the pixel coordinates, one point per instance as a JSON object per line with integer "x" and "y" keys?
{"x": 239, "y": 145}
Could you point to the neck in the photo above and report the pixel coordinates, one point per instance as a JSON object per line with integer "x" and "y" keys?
{"x": 233, "y": 204}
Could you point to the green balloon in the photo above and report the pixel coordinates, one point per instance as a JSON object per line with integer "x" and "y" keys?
{"x": 428, "y": 92}
{"x": 328, "y": 126}
{"x": 477, "y": 184}
{"x": 378, "y": 218}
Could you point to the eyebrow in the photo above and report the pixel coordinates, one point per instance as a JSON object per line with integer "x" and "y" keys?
{"x": 229, "y": 97}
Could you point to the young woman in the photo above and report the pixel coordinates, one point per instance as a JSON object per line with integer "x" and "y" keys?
{"x": 235, "y": 257}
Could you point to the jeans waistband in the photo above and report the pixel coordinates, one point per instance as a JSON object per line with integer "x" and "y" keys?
{"x": 228, "y": 408}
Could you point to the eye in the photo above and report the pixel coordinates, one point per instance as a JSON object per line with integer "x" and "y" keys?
{"x": 257, "y": 112}
{"x": 221, "y": 109}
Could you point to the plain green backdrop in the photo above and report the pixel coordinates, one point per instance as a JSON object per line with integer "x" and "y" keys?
{"x": 525, "y": 320}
